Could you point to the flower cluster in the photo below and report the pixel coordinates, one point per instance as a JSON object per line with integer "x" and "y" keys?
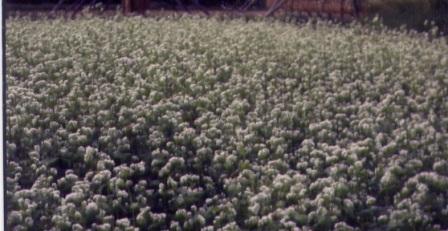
{"x": 182, "y": 123}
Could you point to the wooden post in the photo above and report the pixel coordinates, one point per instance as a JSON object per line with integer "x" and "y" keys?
{"x": 126, "y": 5}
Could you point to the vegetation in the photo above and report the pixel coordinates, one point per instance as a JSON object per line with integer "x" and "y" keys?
{"x": 412, "y": 13}
{"x": 191, "y": 124}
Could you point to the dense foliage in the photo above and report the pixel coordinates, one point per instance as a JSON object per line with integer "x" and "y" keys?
{"x": 193, "y": 124}
{"x": 412, "y": 13}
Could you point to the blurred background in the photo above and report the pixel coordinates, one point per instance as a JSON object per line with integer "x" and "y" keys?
{"x": 414, "y": 14}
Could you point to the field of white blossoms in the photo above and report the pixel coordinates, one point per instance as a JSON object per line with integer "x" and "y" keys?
{"x": 215, "y": 124}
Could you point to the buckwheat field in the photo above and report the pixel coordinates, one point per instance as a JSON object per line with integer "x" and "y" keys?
{"x": 183, "y": 123}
